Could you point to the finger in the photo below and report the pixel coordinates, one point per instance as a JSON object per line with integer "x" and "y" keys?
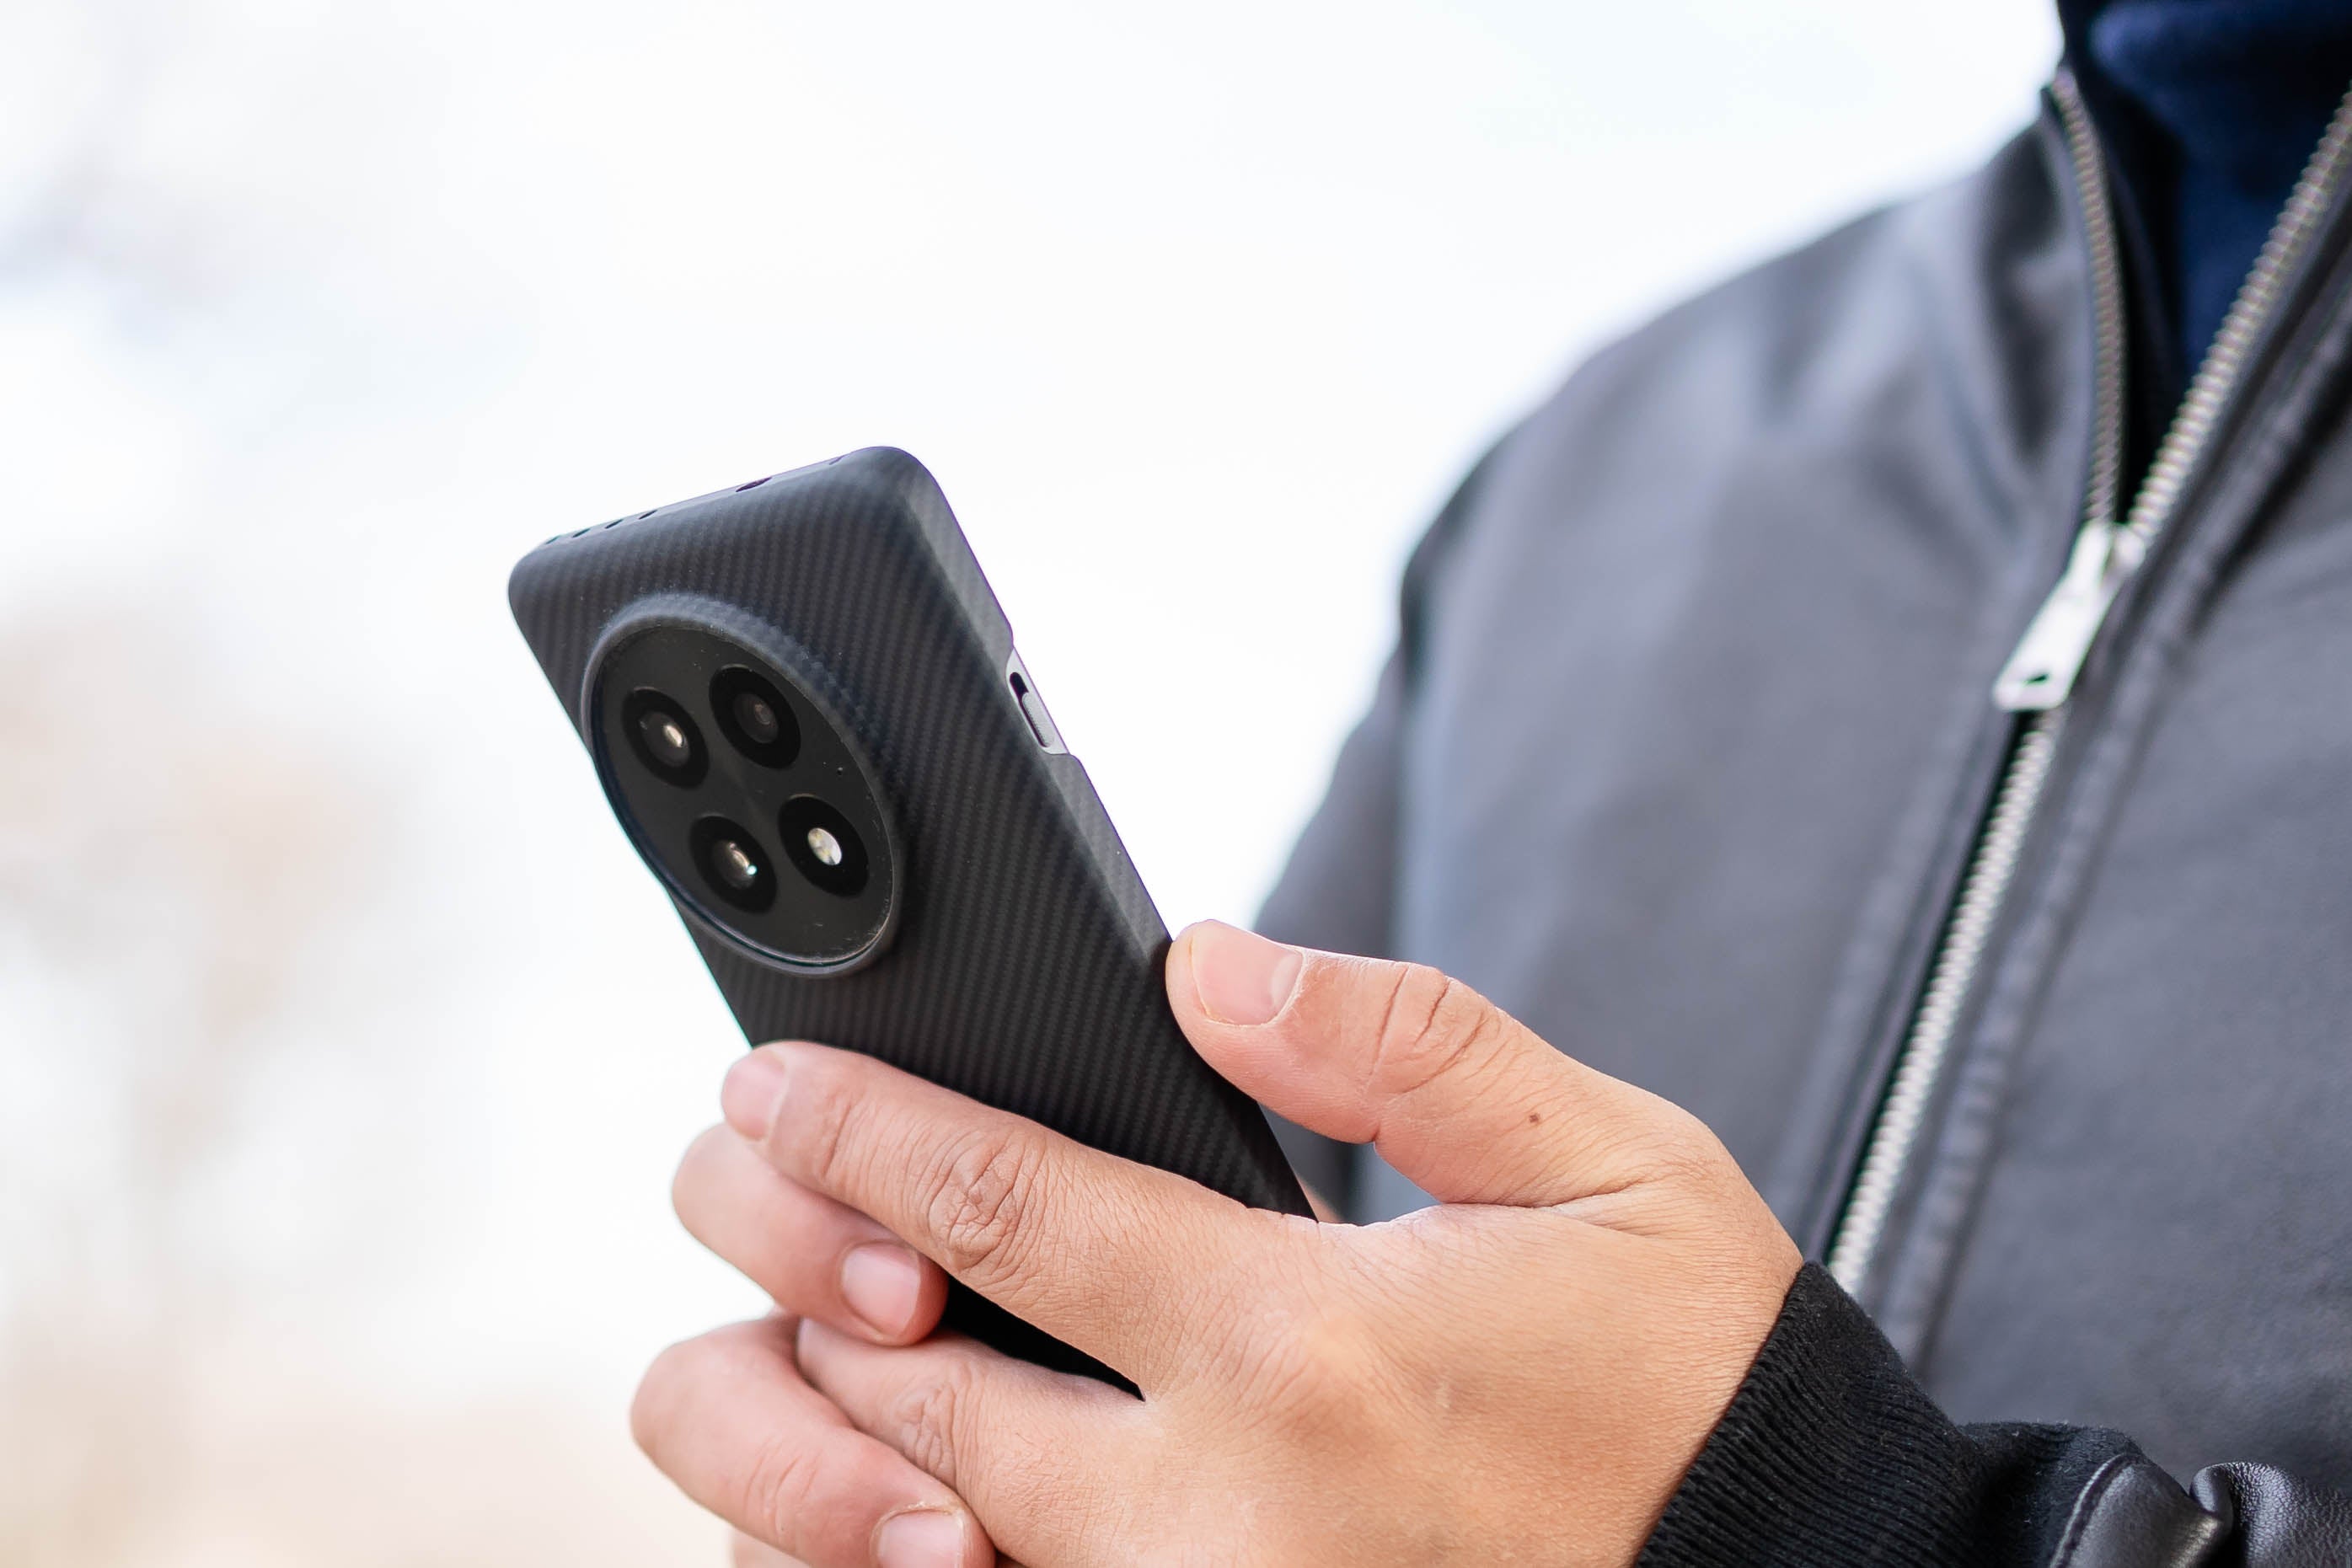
{"x": 729, "y": 1418}
{"x": 1101, "y": 1252}
{"x": 1460, "y": 1096}
{"x": 1049, "y": 1457}
{"x": 816, "y": 1257}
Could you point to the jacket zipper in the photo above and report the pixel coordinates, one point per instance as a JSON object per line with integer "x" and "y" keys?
{"x": 2041, "y": 673}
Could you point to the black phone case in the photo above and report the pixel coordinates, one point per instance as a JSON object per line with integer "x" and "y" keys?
{"x": 1024, "y": 965}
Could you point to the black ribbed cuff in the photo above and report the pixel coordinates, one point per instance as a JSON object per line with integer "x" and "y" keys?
{"x": 1829, "y": 1454}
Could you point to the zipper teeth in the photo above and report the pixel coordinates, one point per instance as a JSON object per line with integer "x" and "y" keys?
{"x": 2225, "y": 361}
{"x": 2107, "y": 327}
{"x": 1993, "y": 865}
{"x": 1965, "y": 940}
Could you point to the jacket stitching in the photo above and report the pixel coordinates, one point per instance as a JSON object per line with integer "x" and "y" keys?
{"x": 2086, "y": 1503}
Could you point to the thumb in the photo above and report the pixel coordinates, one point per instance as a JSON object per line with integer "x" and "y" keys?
{"x": 1460, "y": 1097}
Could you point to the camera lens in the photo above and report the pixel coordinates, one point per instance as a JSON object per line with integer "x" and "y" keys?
{"x": 754, "y": 716}
{"x": 733, "y": 864}
{"x": 664, "y": 738}
{"x": 821, "y": 845}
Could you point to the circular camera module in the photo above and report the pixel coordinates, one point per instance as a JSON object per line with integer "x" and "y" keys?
{"x": 733, "y": 864}
{"x": 664, "y": 737}
{"x": 823, "y": 846}
{"x": 754, "y": 716}
{"x": 744, "y": 789}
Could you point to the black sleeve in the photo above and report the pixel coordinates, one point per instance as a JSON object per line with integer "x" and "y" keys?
{"x": 1337, "y": 892}
{"x": 1830, "y": 1455}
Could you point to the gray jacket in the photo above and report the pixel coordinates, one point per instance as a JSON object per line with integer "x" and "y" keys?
{"x": 1687, "y": 757}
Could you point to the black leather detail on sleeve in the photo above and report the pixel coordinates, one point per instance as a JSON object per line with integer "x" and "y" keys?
{"x": 2133, "y": 1515}
{"x": 2281, "y": 1523}
{"x": 1829, "y": 1454}
{"x": 2233, "y": 1516}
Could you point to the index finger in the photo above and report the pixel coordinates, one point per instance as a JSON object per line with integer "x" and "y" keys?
{"x": 1100, "y": 1252}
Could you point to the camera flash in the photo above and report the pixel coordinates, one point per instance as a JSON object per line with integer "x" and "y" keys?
{"x": 824, "y": 846}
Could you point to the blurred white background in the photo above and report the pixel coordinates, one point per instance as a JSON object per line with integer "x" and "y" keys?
{"x": 344, "y": 1048}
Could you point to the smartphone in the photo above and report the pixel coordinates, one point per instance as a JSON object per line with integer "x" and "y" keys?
{"x": 806, "y": 707}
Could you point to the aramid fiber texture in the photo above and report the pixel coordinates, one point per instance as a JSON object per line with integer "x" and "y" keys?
{"x": 1026, "y": 970}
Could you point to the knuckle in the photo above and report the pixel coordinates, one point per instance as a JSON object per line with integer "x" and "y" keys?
{"x": 1692, "y": 1154}
{"x": 1315, "y": 1380}
{"x": 1684, "y": 1174}
{"x": 778, "y": 1480}
{"x": 772, "y": 1484}
{"x": 980, "y": 1201}
{"x": 1431, "y": 1024}
{"x": 927, "y": 1417}
{"x": 1674, "y": 1147}
{"x": 825, "y": 1111}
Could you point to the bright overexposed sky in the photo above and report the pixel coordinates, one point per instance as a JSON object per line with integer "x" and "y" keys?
{"x": 314, "y": 317}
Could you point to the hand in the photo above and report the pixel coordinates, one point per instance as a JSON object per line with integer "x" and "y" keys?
{"x": 1522, "y": 1375}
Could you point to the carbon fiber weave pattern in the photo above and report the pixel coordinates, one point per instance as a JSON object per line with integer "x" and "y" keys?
{"x": 1026, "y": 969}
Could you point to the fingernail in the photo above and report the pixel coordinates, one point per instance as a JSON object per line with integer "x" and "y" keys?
{"x": 1240, "y": 976}
{"x": 748, "y": 1099}
{"x": 919, "y": 1538}
{"x": 881, "y": 1280}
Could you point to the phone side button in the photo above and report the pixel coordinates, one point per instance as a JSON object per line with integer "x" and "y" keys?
{"x": 1033, "y": 706}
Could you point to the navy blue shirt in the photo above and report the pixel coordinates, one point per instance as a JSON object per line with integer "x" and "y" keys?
{"x": 2209, "y": 108}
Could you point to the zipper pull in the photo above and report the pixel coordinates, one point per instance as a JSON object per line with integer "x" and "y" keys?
{"x": 2041, "y": 672}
